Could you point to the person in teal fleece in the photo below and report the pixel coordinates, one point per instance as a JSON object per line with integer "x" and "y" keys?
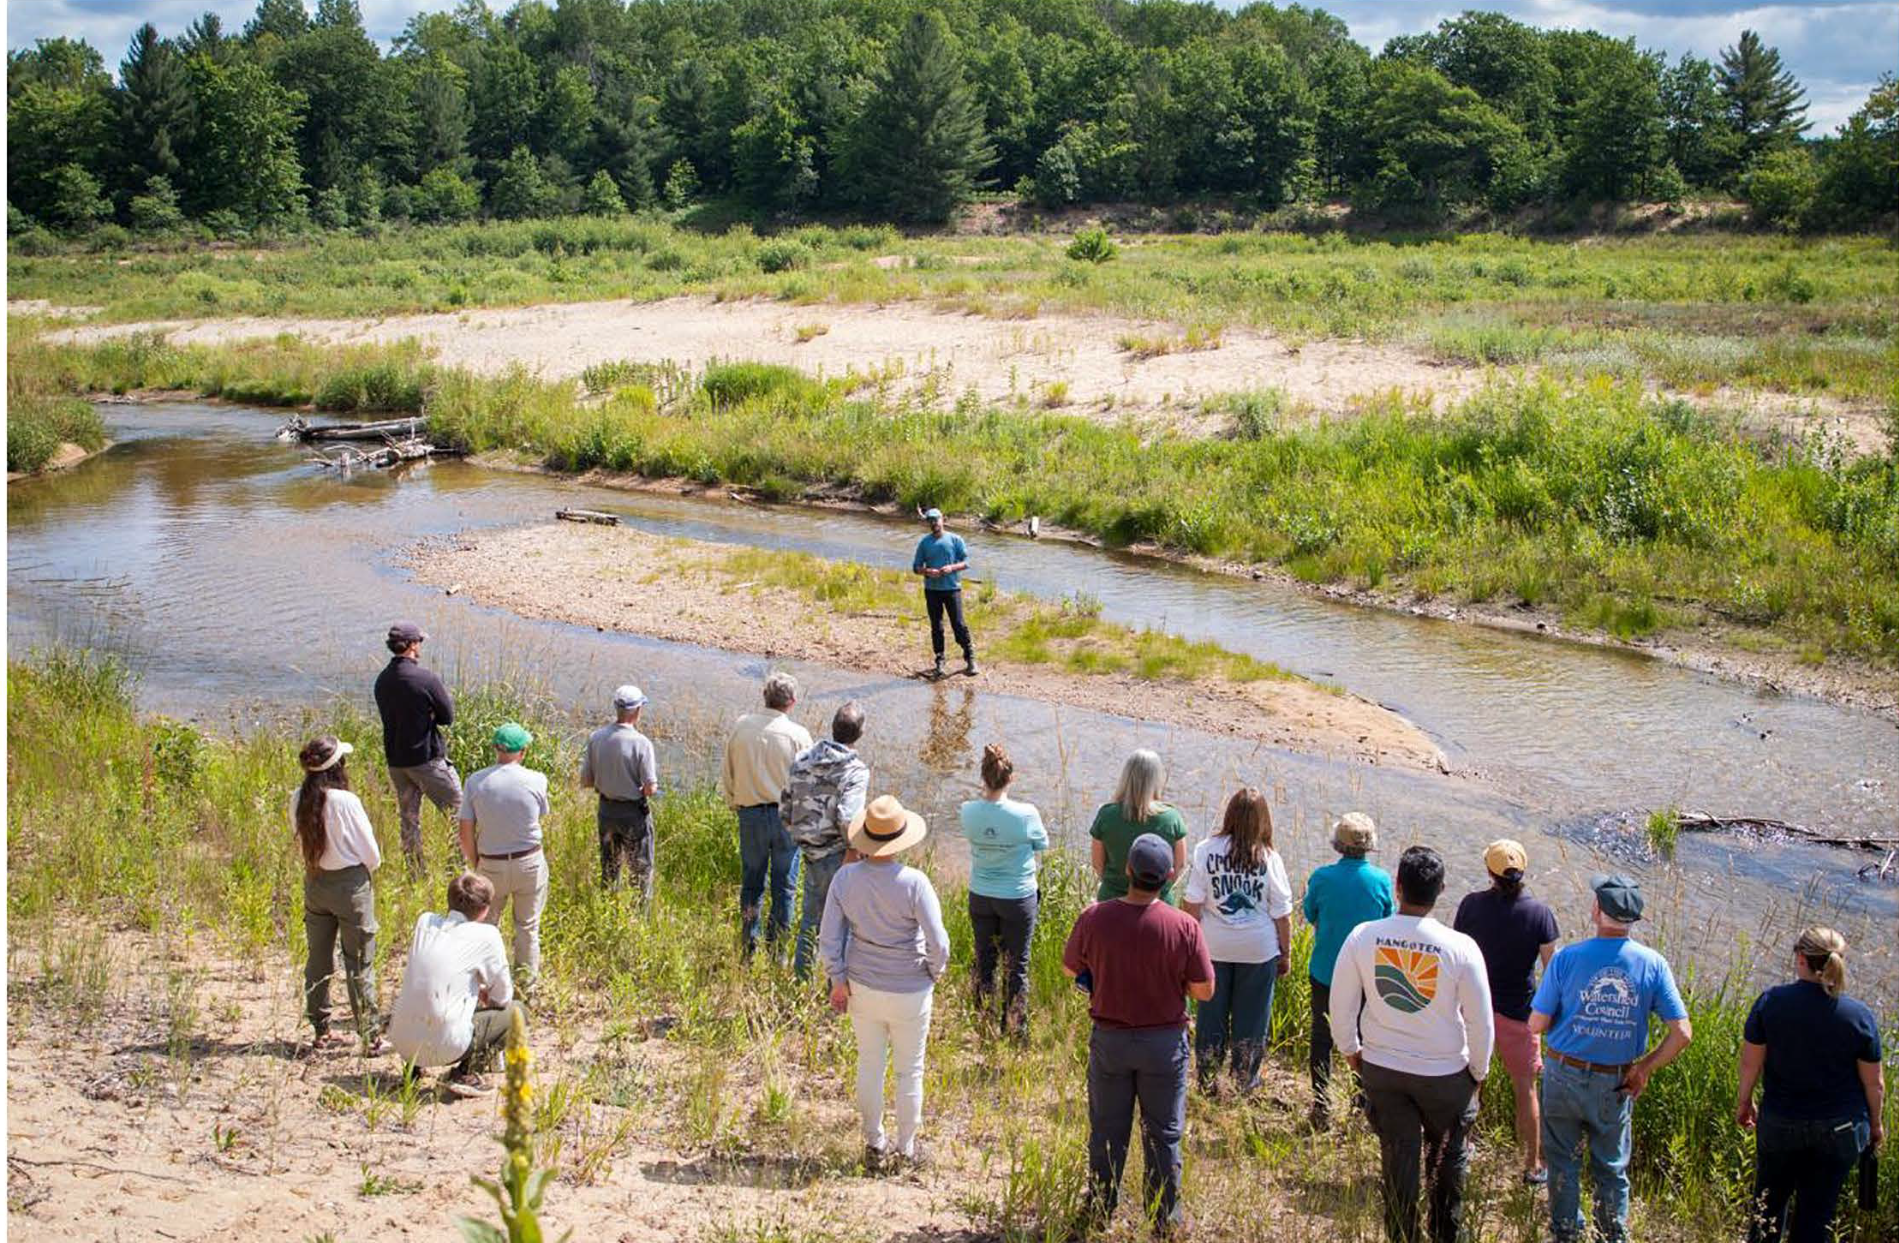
{"x": 1339, "y": 897}
{"x": 1004, "y": 837}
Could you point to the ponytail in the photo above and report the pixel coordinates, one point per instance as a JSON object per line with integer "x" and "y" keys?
{"x": 1824, "y": 952}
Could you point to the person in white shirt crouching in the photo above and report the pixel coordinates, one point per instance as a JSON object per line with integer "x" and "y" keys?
{"x": 1411, "y": 1013}
{"x": 457, "y": 996}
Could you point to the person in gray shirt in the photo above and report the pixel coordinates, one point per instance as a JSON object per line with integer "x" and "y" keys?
{"x": 884, "y": 947}
{"x": 502, "y": 809}
{"x": 618, "y": 765}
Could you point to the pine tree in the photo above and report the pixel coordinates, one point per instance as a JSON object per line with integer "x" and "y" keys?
{"x": 152, "y": 111}
{"x": 520, "y": 190}
{"x": 1766, "y": 106}
{"x": 919, "y": 146}
{"x": 284, "y": 18}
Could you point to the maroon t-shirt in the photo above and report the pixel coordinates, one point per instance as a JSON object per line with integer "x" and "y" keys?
{"x": 1142, "y": 959}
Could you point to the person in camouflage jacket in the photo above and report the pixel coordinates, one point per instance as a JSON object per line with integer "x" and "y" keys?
{"x": 822, "y": 795}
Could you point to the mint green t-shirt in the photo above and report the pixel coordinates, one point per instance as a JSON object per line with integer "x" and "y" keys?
{"x": 1004, "y": 837}
{"x": 1116, "y": 833}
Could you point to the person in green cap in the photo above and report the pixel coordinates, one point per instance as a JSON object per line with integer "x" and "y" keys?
{"x": 502, "y": 809}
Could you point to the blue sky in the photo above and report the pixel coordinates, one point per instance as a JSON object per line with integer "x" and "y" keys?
{"x": 1837, "y": 48}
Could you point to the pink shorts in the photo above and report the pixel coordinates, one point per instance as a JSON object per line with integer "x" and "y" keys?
{"x": 1518, "y": 1047}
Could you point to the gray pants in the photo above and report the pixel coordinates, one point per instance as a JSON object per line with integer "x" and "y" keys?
{"x": 435, "y": 780}
{"x": 625, "y": 827}
{"x": 1423, "y": 1124}
{"x": 490, "y": 1034}
{"x": 340, "y": 905}
{"x": 1148, "y": 1065}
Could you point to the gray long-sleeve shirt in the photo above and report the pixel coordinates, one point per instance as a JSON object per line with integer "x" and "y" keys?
{"x": 883, "y": 928}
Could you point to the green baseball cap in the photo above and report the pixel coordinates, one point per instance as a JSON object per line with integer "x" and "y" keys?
{"x": 513, "y": 737}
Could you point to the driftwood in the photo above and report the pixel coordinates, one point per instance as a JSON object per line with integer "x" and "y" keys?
{"x": 391, "y": 454}
{"x": 588, "y": 515}
{"x": 299, "y": 428}
{"x": 1700, "y": 822}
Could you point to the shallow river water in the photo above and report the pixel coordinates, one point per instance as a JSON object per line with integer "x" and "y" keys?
{"x": 245, "y": 584}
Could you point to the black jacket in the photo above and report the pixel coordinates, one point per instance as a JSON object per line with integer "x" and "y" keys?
{"x": 415, "y": 705}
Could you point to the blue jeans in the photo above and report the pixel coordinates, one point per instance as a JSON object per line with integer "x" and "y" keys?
{"x": 1584, "y": 1106}
{"x": 1148, "y": 1065}
{"x": 1806, "y": 1163}
{"x": 1235, "y": 1020}
{"x": 818, "y": 874}
{"x": 765, "y": 849}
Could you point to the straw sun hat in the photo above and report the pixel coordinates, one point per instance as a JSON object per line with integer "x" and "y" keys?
{"x": 885, "y": 828}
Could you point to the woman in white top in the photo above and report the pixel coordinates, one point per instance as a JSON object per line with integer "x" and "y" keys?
{"x": 1237, "y": 889}
{"x": 339, "y": 903}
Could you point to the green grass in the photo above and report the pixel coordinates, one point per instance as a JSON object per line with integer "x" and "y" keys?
{"x": 1626, "y": 513}
{"x": 1788, "y": 315}
{"x": 179, "y": 847}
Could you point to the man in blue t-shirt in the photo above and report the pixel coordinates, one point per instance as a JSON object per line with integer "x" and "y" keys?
{"x": 941, "y": 559}
{"x": 1594, "y": 1005}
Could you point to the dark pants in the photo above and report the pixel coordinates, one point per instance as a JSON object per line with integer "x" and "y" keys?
{"x": 766, "y": 852}
{"x": 1423, "y": 1124}
{"x": 1148, "y": 1065}
{"x": 951, "y": 602}
{"x": 490, "y": 1034}
{"x": 1003, "y": 928}
{"x": 626, "y": 841}
{"x": 1319, "y": 1058}
{"x": 1235, "y": 1020}
{"x": 340, "y": 905}
{"x": 1806, "y": 1163}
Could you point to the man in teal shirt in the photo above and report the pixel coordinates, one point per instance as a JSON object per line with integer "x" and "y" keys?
{"x": 1339, "y": 897}
{"x": 941, "y": 559}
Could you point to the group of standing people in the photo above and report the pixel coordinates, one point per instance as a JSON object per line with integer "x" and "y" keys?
{"x": 1415, "y": 1008}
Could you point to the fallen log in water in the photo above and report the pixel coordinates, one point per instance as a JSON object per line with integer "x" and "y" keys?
{"x": 1701, "y": 822}
{"x": 391, "y": 454}
{"x": 298, "y": 428}
{"x": 588, "y": 515}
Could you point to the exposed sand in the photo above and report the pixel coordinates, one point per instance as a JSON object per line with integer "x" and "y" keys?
{"x": 67, "y": 456}
{"x": 627, "y": 580}
{"x": 910, "y": 342}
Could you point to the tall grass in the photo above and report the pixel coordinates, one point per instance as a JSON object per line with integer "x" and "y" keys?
{"x": 183, "y": 835}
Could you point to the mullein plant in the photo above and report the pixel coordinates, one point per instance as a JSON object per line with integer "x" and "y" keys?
{"x": 521, "y": 1187}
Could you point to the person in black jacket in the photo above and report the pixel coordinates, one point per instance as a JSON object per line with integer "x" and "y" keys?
{"x": 415, "y": 706}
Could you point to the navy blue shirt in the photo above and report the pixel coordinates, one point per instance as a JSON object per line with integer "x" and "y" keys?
{"x": 1511, "y": 930}
{"x": 1814, "y": 1046}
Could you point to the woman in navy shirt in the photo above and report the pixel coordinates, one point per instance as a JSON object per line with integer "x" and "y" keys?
{"x": 1817, "y": 1054}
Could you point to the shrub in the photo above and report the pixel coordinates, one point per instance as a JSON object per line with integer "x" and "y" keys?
{"x": 1780, "y": 188}
{"x": 682, "y": 185}
{"x": 445, "y": 198}
{"x": 77, "y": 201}
{"x": 1092, "y": 246}
{"x": 224, "y": 223}
{"x": 331, "y": 209}
{"x": 783, "y": 254}
{"x": 156, "y": 210}
{"x": 733, "y": 384}
{"x": 602, "y": 197}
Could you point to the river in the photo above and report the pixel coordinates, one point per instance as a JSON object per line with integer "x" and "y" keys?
{"x": 245, "y": 584}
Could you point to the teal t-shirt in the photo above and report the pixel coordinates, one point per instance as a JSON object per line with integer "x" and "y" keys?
{"x": 1116, "y": 833}
{"x": 1339, "y": 897}
{"x": 1004, "y": 837}
{"x": 937, "y": 551}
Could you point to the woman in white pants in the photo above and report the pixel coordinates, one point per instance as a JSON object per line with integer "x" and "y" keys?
{"x": 884, "y": 947}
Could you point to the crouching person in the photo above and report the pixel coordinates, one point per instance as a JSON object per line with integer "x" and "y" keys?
{"x": 456, "y": 995}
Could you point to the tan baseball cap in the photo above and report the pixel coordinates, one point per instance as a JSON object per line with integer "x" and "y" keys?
{"x": 1355, "y": 831}
{"x": 1504, "y": 856}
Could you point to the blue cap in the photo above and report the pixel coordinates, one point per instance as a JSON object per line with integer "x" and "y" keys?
{"x": 932, "y": 515}
{"x": 1150, "y": 861}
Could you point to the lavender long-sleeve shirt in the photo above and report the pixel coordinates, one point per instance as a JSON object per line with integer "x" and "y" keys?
{"x": 883, "y": 928}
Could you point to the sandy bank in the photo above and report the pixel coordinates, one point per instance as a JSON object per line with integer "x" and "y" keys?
{"x": 622, "y": 579}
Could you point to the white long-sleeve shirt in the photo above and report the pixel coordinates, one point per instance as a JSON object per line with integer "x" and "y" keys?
{"x": 347, "y": 837}
{"x": 1425, "y": 995}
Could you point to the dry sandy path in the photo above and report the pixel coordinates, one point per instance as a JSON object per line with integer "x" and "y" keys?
{"x": 910, "y": 341}
{"x": 627, "y": 580}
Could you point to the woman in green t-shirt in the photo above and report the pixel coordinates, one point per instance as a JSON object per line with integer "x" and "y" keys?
{"x": 1136, "y": 809}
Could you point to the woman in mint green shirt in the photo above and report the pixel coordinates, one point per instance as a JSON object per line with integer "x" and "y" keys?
{"x": 1004, "y": 838}
{"x": 1136, "y": 809}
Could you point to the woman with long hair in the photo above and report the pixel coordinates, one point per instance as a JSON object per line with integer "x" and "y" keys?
{"x": 1136, "y": 809}
{"x": 339, "y": 902}
{"x": 1815, "y": 1052}
{"x": 1238, "y": 889}
{"x": 1004, "y": 837}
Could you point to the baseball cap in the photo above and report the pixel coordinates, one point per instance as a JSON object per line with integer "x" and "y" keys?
{"x": 1150, "y": 861}
{"x": 513, "y": 737}
{"x": 1618, "y": 896}
{"x": 1504, "y": 856}
{"x": 1355, "y": 831}
{"x": 628, "y": 697}
{"x": 931, "y": 515}
{"x": 405, "y": 633}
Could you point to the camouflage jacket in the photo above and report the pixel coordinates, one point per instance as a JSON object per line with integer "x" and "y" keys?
{"x": 823, "y": 793}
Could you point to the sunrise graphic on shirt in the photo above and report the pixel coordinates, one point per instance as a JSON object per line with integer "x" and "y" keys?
{"x": 1406, "y": 979}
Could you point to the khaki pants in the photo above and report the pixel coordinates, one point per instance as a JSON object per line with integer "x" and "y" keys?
{"x": 435, "y": 780}
{"x": 523, "y": 883}
{"x": 340, "y": 906}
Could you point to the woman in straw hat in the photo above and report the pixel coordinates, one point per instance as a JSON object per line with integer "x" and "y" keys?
{"x": 1817, "y": 1052}
{"x": 339, "y": 903}
{"x": 884, "y": 947}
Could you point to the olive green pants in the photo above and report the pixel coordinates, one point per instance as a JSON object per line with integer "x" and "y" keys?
{"x": 340, "y": 906}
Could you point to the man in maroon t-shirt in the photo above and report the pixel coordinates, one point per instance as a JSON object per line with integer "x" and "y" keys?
{"x": 1139, "y": 958}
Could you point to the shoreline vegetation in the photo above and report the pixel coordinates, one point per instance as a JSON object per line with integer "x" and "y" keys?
{"x": 681, "y": 1095}
{"x": 797, "y": 606}
{"x": 1589, "y": 506}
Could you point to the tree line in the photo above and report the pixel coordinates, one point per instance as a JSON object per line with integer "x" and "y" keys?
{"x": 904, "y": 110}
